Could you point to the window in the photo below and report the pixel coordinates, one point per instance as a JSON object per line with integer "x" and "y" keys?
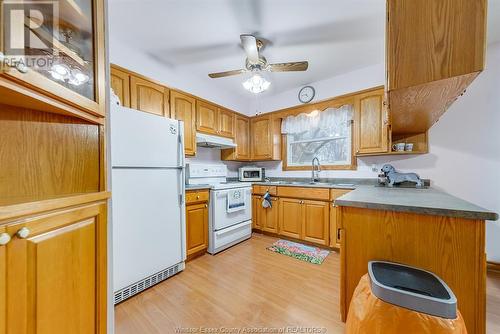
{"x": 326, "y": 135}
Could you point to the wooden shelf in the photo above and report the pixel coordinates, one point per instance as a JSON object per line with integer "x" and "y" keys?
{"x": 14, "y": 210}
{"x": 392, "y": 153}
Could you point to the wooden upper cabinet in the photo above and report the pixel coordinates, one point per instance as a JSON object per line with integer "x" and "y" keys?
{"x": 72, "y": 80}
{"x": 149, "y": 97}
{"x": 242, "y": 140}
{"x": 183, "y": 108}
{"x": 120, "y": 83}
{"x": 265, "y": 138}
{"x": 434, "y": 50}
{"x": 57, "y": 278}
{"x": 370, "y": 123}
{"x": 226, "y": 120}
{"x": 206, "y": 117}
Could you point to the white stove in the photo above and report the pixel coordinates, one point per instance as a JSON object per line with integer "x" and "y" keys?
{"x": 230, "y": 209}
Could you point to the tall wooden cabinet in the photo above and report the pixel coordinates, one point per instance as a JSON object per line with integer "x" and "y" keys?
{"x": 149, "y": 97}
{"x": 371, "y": 123}
{"x": 183, "y": 108}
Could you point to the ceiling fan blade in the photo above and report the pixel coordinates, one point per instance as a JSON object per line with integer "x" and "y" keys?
{"x": 288, "y": 67}
{"x": 226, "y": 74}
{"x": 249, "y": 43}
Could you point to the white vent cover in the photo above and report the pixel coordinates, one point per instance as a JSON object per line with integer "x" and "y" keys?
{"x": 143, "y": 284}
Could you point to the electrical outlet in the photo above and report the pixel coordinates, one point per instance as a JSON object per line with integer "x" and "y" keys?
{"x": 374, "y": 168}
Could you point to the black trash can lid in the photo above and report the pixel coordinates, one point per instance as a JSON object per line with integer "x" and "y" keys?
{"x": 412, "y": 288}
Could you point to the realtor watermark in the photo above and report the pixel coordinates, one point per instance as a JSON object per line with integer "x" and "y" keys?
{"x": 30, "y": 30}
{"x": 249, "y": 330}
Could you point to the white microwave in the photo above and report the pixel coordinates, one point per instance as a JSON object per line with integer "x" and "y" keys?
{"x": 246, "y": 174}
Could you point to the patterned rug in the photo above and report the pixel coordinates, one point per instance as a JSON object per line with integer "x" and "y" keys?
{"x": 309, "y": 254}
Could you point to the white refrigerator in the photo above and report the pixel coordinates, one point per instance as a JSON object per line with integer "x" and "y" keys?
{"x": 148, "y": 209}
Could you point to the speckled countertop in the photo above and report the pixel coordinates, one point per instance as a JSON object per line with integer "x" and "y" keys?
{"x": 428, "y": 201}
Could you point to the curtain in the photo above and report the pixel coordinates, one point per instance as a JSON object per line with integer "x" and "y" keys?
{"x": 333, "y": 121}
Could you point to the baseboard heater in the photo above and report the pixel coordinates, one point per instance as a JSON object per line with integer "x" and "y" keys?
{"x": 147, "y": 282}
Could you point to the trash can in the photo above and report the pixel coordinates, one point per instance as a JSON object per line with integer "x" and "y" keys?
{"x": 394, "y": 298}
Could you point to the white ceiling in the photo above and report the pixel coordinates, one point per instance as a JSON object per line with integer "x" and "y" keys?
{"x": 202, "y": 36}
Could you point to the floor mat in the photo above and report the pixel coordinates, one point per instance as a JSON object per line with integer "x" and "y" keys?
{"x": 302, "y": 252}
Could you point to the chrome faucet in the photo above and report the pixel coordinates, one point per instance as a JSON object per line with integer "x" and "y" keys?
{"x": 315, "y": 171}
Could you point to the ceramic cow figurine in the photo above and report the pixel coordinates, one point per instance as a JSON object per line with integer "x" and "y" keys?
{"x": 394, "y": 177}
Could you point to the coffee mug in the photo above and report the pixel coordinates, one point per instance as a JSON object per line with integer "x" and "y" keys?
{"x": 399, "y": 147}
{"x": 409, "y": 147}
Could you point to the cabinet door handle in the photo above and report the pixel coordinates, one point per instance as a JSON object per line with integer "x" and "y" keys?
{"x": 206, "y": 205}
{"x": 23, "y": 233}
{"x": 4, "y": 239}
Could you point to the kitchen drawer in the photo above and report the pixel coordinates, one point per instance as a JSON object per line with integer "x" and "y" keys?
{"x": 322, "y": 194}
{"x": 261, "y": 190}
{"x": 335, "y": 193}
{"x": 196, "y": 196}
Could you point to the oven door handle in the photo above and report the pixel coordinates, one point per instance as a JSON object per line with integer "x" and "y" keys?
{"x": 232, "y": 228}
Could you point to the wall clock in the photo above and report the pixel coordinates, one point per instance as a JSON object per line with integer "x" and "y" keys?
{"x": 306, "y": 94}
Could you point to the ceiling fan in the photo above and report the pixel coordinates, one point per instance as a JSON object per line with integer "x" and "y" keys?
{"x": 256, "y": 63}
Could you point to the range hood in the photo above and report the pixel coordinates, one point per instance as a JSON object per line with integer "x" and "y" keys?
{"x": 205, "y": 140}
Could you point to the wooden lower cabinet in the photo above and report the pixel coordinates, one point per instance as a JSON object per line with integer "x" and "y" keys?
{"x": 268, "y": 217}
{"x": 56, "y": 272}
{"x": 196, "y": 222}
{"x": 334, "y": 227}
{"x": 291, "y": 217}
{"x": 316, "y": 222}
{"x": 197, "y": 228}
{"x": 255, "y": 208}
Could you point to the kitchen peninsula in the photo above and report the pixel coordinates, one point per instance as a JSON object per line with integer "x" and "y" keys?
{"x": 425, "y": 228}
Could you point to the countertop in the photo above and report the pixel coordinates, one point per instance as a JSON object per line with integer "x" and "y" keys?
{"x": 428, "y": 201}
{"x": 197, "y": 186}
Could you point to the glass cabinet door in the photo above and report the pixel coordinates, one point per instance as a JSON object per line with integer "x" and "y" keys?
{"x": 50, "y": 44}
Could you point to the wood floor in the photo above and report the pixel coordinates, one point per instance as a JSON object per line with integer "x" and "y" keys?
{"x": 248, "y": 286}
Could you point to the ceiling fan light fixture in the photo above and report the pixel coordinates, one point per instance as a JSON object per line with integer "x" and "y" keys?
{"x": 256, "y": 84}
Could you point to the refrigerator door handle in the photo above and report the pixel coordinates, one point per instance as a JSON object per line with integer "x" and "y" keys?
{"x": 181, "y": 144}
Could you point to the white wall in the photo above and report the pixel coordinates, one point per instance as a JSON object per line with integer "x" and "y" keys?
{"x": 133, "y": 59}
{"x": 366, "y": 77}
{"x": 206, "y": 155}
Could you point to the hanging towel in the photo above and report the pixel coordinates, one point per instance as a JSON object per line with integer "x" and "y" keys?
{"x": 235, "y": 200}
{"x": 266, "y": 200}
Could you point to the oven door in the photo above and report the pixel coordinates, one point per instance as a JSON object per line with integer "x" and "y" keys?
{"x": 220, "y": 218}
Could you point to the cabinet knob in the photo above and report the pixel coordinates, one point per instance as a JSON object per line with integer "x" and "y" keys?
{"x": 23, "y": 233}
{"x": 4, "y": 239}
{"x": 198, "y": 197}
{"x": 22, "y": 67}
{"x": 206, "y": 205}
